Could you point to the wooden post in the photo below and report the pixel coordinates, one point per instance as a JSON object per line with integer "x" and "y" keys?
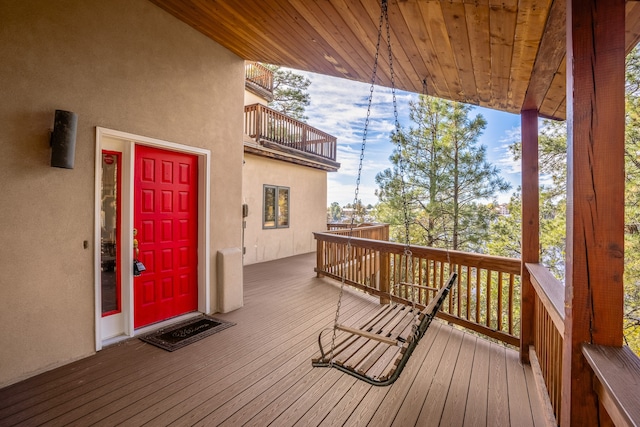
{"x": 595, "y": 195}
{"x": 320, "y": 262}
{"x": 530, "y": 225}
{"x": 385, "y": 282}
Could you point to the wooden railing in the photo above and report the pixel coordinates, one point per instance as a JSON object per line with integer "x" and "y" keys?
{"x": 259, "y": 75}
{"x": 364, "y": 231}
{"x": 483, "y": 299}
{"x": 615, "y": 370}
{"x": 548, "y": 332}
{"x": 616, "y": 380}
{"x": 265, "y": 126}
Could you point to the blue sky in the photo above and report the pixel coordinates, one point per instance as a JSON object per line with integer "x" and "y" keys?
{"x": 339, "y": 106}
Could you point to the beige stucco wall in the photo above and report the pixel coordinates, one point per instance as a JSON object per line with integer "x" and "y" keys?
{"x": 308, "y": 200}
{"x": 121, "y": 64}
{"x": 251, "y": 98}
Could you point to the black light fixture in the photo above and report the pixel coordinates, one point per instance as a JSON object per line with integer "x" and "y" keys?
{"x": 63, "y": 139}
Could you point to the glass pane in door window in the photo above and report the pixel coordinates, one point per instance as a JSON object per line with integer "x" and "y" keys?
{"x": 109, "y": 228}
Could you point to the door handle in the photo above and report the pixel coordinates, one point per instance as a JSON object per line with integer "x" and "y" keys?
{"x": 138, "y": 266}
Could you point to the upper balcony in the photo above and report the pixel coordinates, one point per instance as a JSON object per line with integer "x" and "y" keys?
{"x": 259, "y": 80}
{"x": 273, "y": 134}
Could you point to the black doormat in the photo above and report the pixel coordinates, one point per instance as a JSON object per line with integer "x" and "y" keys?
{"x": 185, "y": 333}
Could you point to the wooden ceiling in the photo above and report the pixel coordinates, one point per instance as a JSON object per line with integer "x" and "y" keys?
{"x": 502, "y": 54}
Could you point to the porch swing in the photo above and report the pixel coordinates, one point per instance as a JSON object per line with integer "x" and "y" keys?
{"x": 377, "y": 350}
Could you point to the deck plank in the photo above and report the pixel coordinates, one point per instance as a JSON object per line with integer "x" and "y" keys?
{"x": 498, "y": 402}
{"x": 249, "y": 408}
{"x": 290, "y": 396}
{"x": 152, "y": 376}
{"x": 519, "y": 405}
{"x": 177, "y": 405}
{"x": 456, "y": 399}
{"x": 544, "y": 416}
{"x": 312, "y": 395}
{"x": 343, "y": 409}
{"x": 475, "y": 413}
{"x": 317, "y": 413}
{"x": 423, "y": 368}
{"x": 422, "y": 408}
{"x": 259, "y": 372}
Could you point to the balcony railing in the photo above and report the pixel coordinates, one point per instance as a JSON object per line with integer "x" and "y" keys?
{"x": 483, "y": 299}
{"x": 548, "y": 331}
{"x": 364, "y": 231}
{"x": 267, "y": 126}
{"x": 259, "y": 75}
{"x": 615, "y": 370}
{"x": 486, "y": 299}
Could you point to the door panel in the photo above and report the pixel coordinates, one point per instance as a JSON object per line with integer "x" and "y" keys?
{"x": 166, "y": 218}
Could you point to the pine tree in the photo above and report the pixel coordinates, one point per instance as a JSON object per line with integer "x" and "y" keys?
{"x": 290, "y": 96}
{"x": 632, "y": 203}
{"x": 445, "y": 175}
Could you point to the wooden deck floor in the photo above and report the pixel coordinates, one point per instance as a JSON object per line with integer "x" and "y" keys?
{"x": 259, "y": 373}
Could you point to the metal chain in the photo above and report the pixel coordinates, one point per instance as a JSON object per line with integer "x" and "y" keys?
{"x": 402, "y": 170}
{"x": 383, "y": 16}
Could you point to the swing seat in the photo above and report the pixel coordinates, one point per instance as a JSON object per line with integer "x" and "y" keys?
{"x": 378, "y": 350}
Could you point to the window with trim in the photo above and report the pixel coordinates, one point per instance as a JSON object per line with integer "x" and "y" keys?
{"x": 275, "y": 212}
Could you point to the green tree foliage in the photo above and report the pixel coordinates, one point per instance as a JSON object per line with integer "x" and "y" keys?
{"x": 552, "y": 153}
{"x": 357, "y": 211}
{"x": 445, "y": 175}
{"x": 290, "y": 96}
{"x": 335, "y": 211}
{"x": 632, "y": 203}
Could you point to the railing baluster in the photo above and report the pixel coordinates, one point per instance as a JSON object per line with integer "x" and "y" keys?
{"x": 488, "y": 286}
{"x": 499, "y": 311}
{"x": 468, "y": 301}
{"x": 478, "y": 282}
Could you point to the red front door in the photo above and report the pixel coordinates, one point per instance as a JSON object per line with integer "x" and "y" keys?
{"x": 166, "y": 220}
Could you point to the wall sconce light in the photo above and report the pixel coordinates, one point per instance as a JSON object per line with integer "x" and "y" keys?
{"x": 63, "y": 139}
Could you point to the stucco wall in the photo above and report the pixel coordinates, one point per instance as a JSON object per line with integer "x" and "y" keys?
{"x": 308, "y": 199}
{"x": 251, "y": 98}
{"x": 120, "y": 64}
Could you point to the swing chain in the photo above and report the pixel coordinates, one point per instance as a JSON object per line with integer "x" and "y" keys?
{"x": 402, "y": 170}
{"x": 347, "y": 255}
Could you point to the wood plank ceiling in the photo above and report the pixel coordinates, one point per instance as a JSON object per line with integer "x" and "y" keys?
{"x": 502, "y": 54}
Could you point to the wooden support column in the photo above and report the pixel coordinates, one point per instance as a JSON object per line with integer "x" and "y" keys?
{"x": 530, "y": 225}
{"x": 595, "y": 195}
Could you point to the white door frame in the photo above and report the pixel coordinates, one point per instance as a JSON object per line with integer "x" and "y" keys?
{"x": 109, "y": 139}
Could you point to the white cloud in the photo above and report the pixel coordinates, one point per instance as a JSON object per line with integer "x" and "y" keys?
{"x": 505, "y": 162}
{"x": 339, "y": 107}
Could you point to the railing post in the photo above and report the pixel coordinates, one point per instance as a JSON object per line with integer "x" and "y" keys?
{"x": 385, "y": 283}
{"x": 319, "y": 258}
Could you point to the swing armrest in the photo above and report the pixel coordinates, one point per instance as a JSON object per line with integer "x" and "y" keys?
{"x": 412, "y": 285}
{"x": 376, "y": 337}
{"x": 436, "y": 301}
